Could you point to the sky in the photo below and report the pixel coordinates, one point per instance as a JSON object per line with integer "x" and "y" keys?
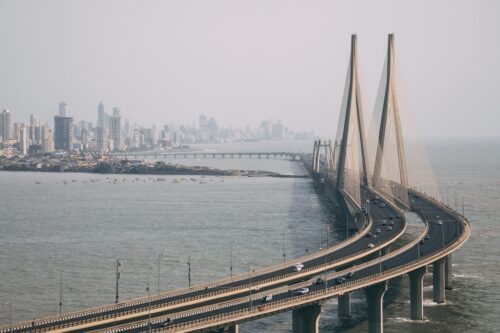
{"x": 242, "y": 62}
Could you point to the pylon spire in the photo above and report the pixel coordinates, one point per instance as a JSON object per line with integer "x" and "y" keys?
{"x": 390, "y": 109}
{"x": 352, "y": 110}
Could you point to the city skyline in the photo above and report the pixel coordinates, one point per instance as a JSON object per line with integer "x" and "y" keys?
{"x": 112, "y": 132}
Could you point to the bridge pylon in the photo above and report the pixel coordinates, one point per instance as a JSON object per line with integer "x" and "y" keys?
{"x": 390, "y": 173}
{"x": 351, "y": 163}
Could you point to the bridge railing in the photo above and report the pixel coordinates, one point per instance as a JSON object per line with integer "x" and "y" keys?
{"x": 301, "y": 300}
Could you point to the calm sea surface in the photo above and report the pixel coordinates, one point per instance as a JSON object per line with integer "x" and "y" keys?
{"x": 81, "y": 223}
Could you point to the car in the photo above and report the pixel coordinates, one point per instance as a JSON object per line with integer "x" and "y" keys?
{"x": 391, "y": 222}
{"x": 382, "y": 205}
{"x": 384, "y": 222}
{"x": 374, "y": 202}
{"x": 388, "y": 228}
{"x": 339, "y": 280}
{"x": 349, "y": 275}
{"x": 302, "y": 291}
{"x": 421, "y": 242}
{"x": 378, "y": 231}
{"x": 168, "y": 321}
{"x": 368, "y": 234}
{"x": 439, "y": 222}
{"x": 297, "y": 267}
{"x": 267, "y": 298}
{"x": 427, "y": 237}
{"x": 371, "y": 246}
{"x": 319, "y": 281}
{"x": 390, "y": 217}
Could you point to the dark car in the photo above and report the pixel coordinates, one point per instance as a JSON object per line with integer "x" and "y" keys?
{"x": 319, "y": 281}
{"x": 339, "y": 280}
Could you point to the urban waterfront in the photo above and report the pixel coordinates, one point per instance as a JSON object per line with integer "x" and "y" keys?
{"x": 99, "y": 218}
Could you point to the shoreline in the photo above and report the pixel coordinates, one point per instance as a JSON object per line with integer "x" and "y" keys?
{"x": 118, "y": 168}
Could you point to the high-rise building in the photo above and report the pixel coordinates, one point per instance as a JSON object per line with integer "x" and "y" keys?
{"x": 23, "y": 139}
{"x": 47, "y": 142}
{"x": 63, "y": 133}
{"x": 34, "y": 128}
{"x": 115, "y": 129}
{"x": 102, "y": 139}
{"x": 101, "y": 116}
{"x": 5, "y": 125}
{"x": 63, "y": 107}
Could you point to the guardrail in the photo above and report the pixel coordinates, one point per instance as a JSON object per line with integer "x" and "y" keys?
{"x": 301, "y": 300}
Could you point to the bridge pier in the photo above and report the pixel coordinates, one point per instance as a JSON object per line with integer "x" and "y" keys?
{"x": 233, "y": 329}
{"x": 447, "y": 275}
{"x": 344, "y": 305}
{"x": 375, "y": 298}
{"x": 417, "y": 293}
{"x": 438, "y": 281}
{"x": 305, "y": 320}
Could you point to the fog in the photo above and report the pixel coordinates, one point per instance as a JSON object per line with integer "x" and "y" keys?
{"x": 246, "y": 61}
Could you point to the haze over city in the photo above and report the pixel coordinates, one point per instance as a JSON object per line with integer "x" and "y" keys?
{"x": 241, "y": 62}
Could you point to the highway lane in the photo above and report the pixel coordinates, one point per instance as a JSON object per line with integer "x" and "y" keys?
{"x": 432, "y": 214}
{"x": 357, "y": 247}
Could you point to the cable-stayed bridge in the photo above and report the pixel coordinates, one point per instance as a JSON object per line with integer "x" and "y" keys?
{"x": 369, "y": 180}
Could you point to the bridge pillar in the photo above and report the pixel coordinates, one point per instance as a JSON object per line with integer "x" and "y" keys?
{"x": 305, "y": 320}
{"x": 375, "y": 298}
{"x": 447, "y": 274}
{"x": 438, "y": 280}
{"x": 417, "y": 293}
{"x": 344, "y": 306}
{"x": 233, "y": 329}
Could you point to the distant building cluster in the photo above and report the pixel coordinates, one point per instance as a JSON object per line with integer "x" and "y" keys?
{"x": 113, "y": 133}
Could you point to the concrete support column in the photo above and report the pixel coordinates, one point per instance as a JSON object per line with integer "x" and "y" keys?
{"x": 438, "y": 280}
{"x": 447, "y": 275}
{"x": 233, "y": 329}
{"x": 375, "y": 298}
{"x": 305, "y": 320}
{"x": 344, "y": 306}
{"x": 417, "y": 293}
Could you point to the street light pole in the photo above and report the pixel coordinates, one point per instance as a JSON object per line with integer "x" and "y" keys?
{"x": 250, "y": 284}
{"x": 158, "y": 277}
{"x": 231, "y": 259}
{"x": 442, "y": 233}
{"x": 149, "y": 308}
{"x": 118, "y": 264}
{"x": 60, "y": 292}
{"x": 326, "y": 255}
{"x": 10, "y": 316}
{"x": 189, "y": 271}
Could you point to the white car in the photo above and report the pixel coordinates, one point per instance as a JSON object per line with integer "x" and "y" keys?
{"x": 297, "y": 267}
{"x": 267, "y": 298}
{"x": 302, "y": 291}
{"x": 371, "y": 246}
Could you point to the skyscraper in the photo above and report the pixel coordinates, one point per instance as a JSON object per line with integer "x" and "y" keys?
{"x": 115, "y": 129}
{"x": 62, "y": 109}
{"x": 101, "y": 115}
{"x": 47, "y": 141}
{"x": 63, "y": 133}
{"x": 5, "y": 126}
{"x": 24, "y": 140}
{"x": 102, "y": 139}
